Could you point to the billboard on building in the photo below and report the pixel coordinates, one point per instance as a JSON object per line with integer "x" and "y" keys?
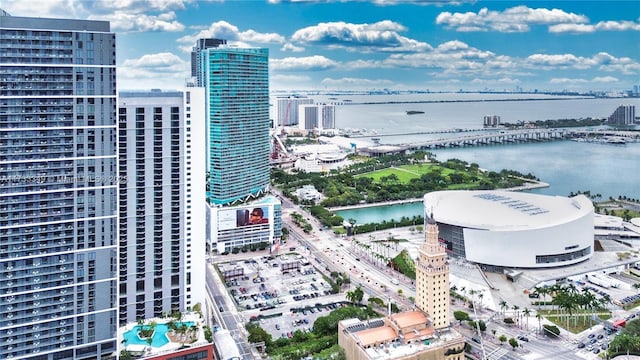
{"x": 237, "y": 217}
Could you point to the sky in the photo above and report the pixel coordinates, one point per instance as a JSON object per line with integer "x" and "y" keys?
{"x": 433, "y": 45}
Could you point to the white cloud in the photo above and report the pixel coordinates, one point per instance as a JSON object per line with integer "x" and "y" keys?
{"x": 153, "y": 70}
{"x": 601, "y": 26}
{"x": 557, "y": 60}
{"x": 567, "y": 81}
{"x": 515, "y": 19}
{"x": 572, "y": 28}
{"x": 140, "y": 6}
{"x": 233, "y": 35}
{"x": 64, "y": 9}
{"x": 357, "y": 83}
{"x": 380, "y": 36}
{"x": 122, "y": 21}
{"x": 308, "y": 63}
{"x": 291, "y": 47}
{"x": 601, "y": 61}
{"x": 618, "y": 26}
{"x": 605, "y": 79}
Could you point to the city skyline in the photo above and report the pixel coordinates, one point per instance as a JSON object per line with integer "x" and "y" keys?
{"x": 378, "y": 44}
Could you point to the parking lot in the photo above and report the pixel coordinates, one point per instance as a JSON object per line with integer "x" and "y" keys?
{"x": 285, "y": 292}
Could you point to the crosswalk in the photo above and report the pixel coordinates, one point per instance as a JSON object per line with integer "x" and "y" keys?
{"x": 497, "y": 354}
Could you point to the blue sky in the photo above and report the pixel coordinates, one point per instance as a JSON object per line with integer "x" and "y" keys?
{"x": 377, "y": 44}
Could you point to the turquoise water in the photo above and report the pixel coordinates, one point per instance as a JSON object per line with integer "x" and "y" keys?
{"x": 386, "y": 212}
{"x": 159, "y": 336}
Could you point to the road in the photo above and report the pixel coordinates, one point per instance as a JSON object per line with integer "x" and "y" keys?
{"x": 225, "y": 312}
{"x": 330, "y": 253}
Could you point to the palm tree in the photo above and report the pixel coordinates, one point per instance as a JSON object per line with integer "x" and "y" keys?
{"x": 526, "y": 312}
{"x": 472, "y": 292}
{"x": 539, "y": 317}
{"x": 516, "y": 308}
{"x": 625, "y": 342}
{"x": 504, "y": 306}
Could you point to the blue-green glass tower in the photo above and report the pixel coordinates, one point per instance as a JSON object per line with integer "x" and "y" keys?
{"x": 237, "y": 86}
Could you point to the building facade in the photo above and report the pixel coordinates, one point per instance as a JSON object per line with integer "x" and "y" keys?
{"x": 491, "y": 121}
{"x": 232, "y": 228}
{"x": 201, "y": 45}
{"x": 162, "y": 208}
{"x": 317, "y": 117}
{"x": 432, "y": 277}
{"x": 58, "y": 254}
{"x": 237, "y": 110}
{"x": 623, "y": 115}
{"x": 287, "y": 109}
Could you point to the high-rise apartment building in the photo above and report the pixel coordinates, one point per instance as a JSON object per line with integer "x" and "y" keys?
{"x": 162, "y": 203}
{"x": 491, "y": 121}
{"x": 623, "y": 115}
{"x": 58, "y": 249}
{"x": 317, "y": 117}
{"x": 432, "y": 277}
{"x": 202, "y": 44}
{"x": 287, "y": 109}
{"x": 237, "y": 108}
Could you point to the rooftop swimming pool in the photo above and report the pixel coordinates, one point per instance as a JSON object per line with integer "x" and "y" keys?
{"x": 159, "y": 338}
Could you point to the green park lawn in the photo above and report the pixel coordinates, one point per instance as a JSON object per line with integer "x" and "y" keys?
{"x": 405, "y": 173}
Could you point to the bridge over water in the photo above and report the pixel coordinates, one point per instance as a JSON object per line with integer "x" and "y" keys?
{"x": 519, "y": 136}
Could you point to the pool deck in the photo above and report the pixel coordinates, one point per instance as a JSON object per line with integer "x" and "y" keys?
{"x": 176, "y": 341}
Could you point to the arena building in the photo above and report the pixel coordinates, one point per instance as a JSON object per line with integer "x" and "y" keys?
{"x": 504, "y": 229}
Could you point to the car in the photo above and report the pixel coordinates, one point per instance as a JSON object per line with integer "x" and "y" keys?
{"x": 591, "y": 336}
{"x": 600, "y": 336}
{"x": 596, "y": 350}
{"x": 523, "y": 338}
{"x": 277, "y": 326}
{"x": 581, "y": 345}
{"x": 604, "y": 347}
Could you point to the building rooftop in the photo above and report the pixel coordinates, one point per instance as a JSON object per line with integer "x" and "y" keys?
{"x": 380, "y": 340}
{"x": 376, "y": 335}
{"x": 505, "y": 210}
{"x": 409, "y": 318}
{"x": 164, "y": 339}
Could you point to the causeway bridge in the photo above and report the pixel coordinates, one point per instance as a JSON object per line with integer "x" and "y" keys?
{"x": 520, "y": 136}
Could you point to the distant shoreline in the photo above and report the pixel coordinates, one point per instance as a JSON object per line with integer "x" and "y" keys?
{"x": 464, "y": 101}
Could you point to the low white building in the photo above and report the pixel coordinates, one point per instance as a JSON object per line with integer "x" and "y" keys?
{"x": 308, "y": 192}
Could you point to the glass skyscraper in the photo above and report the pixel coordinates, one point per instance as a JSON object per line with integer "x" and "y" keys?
{"x": 58, "y": 255}
{"x": 237, "y": 100}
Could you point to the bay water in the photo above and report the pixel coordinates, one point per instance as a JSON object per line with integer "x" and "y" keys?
{"x": 568, "y": 166}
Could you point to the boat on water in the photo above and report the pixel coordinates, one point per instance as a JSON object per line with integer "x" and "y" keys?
{"x": 615, "y": 141}
{"x": 603, "y": 140}
{"x": 414, "y": 112}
